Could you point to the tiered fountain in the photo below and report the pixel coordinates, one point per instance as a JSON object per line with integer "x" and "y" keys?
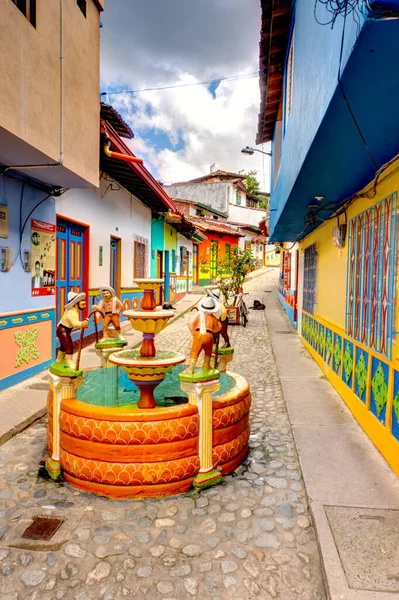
{"x": 146, "y": 367}
{"x": 108, "y": 435}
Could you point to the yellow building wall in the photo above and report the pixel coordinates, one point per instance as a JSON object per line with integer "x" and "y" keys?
{"x": 30, "y": 82}
{"x": 331, "y": 261}
{"x": 338, "y": 355}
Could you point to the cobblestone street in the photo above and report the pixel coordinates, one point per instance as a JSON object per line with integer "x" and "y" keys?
{"x": 250, "y": 537}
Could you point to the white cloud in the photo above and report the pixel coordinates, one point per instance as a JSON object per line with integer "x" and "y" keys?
{"x": 210, "y": 129}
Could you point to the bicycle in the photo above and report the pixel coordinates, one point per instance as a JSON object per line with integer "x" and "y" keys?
{"x": 242, "y": 307}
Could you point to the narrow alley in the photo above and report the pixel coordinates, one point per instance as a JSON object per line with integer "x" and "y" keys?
{"x": 250, "y": 537}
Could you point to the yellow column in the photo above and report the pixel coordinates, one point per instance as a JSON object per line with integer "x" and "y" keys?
{"x": 62, "y": 387}
{"x": 201, "y": 394}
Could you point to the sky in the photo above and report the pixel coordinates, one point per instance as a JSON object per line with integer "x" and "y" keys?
{"x": 180, "y": 132}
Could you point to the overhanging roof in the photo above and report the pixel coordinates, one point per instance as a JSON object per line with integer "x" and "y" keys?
{"x": 274, "y": 33}
{"x": 134, "y": 177}
{"x": 109, "y": 114}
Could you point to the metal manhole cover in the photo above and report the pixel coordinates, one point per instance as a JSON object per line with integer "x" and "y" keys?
{"x": 367, "y": 541}
{"x": 42, "y": 528}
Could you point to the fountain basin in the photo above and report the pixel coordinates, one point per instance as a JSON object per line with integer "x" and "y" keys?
{"x": 149, "y": 321}
{"x": 147, "y": 372}
{"x": 125, "y": 452}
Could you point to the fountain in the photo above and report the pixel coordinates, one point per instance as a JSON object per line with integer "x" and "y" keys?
{"x": 147, "y": 367}
{"x": 139, "y": 426}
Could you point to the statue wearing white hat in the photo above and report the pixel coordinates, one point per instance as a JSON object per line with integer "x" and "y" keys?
{"x": 203, "y": 328}
{"x": 111, "y": 306}
{"x": 70, "y": 320}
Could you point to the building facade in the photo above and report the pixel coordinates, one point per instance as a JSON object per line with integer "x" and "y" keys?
{"x": 334, "y": 194}
{"x": 49, "y": 125}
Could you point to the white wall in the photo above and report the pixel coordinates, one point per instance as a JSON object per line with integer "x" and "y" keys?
{"x": 247, "y": 216}
{"x": 119, "y": 214}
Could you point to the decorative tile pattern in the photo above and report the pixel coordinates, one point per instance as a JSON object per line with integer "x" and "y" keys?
{"x": 27, "y": 346}
{"x": 361, "y": 375}
{"x": 379, "y": 389}
{"x": 329, "y": 345}
{"x": 322, "y": 342}
{"x": 395, "y": 407}
{"x": 337, "y": 353}
{"x": 348, "y": 363}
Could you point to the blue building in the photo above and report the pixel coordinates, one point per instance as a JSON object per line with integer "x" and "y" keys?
{"x": 329, "y": 89}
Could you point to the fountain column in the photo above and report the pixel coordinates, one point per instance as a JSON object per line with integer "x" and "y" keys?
{"x": 62, "y": 388}
{"x": 200, "y": 394}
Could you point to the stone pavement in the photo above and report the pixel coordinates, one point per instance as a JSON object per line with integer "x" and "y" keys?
{"x": 32, "y": 393}
{"x": 250, "y": 537}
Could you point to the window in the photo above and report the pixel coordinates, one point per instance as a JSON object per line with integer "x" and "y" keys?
{"x": 288, "y": 80}
{"x": 309, "y": 279}
{"x": 173, "y": 260}
{"x": 238, "y": 198}
{"x": 228, "y": 255}
{"x": 183, "y": 260}
{"x": 27, "y": 8}
{"x": 140, "y": 253}
{"x": 82, "y": 5}
{"x": 371, "y": 276}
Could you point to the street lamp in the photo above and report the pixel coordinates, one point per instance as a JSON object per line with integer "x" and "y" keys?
{"x": 249, "y": 150}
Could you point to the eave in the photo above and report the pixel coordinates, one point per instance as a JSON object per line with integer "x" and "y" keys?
{"x": 134, "y": 177}
{"x": 274, "y": 36}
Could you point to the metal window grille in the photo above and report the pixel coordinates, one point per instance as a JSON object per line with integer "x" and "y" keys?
{"x": 139, "y": 271}
{"x": 371, "y": 276}
{"x": 309, "y": 279}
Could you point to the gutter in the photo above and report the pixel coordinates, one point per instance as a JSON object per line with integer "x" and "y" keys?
{"x": 125, "y": 157}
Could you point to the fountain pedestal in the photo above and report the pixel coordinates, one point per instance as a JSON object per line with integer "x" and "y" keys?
{"x": 61, "y": 388}
{"x": 200, "y": 394}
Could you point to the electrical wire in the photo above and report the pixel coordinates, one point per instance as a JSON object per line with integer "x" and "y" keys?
{"x": 180, "y": 85}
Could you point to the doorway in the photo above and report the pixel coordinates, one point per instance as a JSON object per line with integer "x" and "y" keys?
{"x": 167, "y": 276}
{"x": 159, "y": 294}
{"x": 71, "y": 256}
{"x": 115, "y": 264}
{"x": 195, "y": 264}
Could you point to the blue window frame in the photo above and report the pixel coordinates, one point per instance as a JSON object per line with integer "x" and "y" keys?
{"x": 309, "y": 279}
{"x": 372, "y": 276}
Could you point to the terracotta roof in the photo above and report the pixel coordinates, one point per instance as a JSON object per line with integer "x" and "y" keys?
{"x": 201, "y": 205}
{"x": 218, "y": 173}
{"x": 213, "y": 226}
{"x": 274, "y": 34}
{"x": 109, "y": 114}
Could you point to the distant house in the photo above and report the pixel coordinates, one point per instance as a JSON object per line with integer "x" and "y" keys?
{"x": 225, "y": 194}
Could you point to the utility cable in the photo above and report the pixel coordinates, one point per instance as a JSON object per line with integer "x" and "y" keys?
{"x": 180, "y": 85}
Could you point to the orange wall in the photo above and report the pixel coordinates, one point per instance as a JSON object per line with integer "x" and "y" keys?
{"x": 43, "y": 343}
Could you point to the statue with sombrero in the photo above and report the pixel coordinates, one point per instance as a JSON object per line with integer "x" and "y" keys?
{"x": 203, "y": 327}
{"x": 111, "y": 306}
{"x": 70, "y": 320}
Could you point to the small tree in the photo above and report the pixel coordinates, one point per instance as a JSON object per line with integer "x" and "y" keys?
{"x": 231, "y": 273}
{"x": 251, "y": 182}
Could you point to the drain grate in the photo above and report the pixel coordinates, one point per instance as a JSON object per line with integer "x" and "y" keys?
{"x": 42, "y": 528}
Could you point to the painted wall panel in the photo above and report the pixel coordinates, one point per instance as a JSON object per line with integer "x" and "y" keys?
{"x": 17, "y": 282}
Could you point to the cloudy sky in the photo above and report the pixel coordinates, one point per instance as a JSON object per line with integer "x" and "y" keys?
{"x": 155, "y": 43}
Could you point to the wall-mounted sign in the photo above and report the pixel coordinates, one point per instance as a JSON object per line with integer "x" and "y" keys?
{"x": 3, "y": 221}
{"x": 43, "y": 258}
